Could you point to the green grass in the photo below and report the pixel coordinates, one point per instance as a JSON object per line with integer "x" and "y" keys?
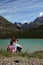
{"x": 4, "y": 53}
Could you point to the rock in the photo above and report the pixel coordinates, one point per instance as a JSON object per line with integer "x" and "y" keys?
{"x": 20, "y": 61}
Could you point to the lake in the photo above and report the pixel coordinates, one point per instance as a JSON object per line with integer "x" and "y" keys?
{"x": 29, "y": 45}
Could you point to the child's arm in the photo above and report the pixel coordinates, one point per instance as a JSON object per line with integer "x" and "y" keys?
{"x": 19, "y": 45}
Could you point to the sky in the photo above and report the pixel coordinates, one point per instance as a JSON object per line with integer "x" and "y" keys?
{"x": 21, "y": 10}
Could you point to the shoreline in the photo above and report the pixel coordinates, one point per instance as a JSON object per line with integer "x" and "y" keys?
{"x": 8, "y": 58}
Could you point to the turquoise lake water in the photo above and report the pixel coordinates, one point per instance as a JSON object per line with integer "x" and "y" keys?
{"x": 29, "y": 45}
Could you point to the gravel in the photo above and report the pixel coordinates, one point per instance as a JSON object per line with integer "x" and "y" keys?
{"x": 20, "y": 61}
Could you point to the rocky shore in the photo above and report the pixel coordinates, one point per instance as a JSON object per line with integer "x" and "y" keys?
{"x": 8, "y": 58}
{"x": 20, "y": 61}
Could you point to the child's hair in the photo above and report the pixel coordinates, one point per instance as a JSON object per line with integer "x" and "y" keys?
{"x": 11, "y": 42}
{"x": 14, "y": 40}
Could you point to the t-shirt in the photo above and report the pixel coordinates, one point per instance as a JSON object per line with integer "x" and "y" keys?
{"x": 17, "y": 45}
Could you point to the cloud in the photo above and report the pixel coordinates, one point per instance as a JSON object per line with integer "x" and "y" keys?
{"x": 20, "y": 9}
{"x": 41, "y": 14}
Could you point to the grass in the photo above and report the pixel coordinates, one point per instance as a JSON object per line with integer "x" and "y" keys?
{"x": 4, "y": 53}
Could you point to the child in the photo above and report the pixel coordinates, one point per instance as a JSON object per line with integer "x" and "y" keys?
{"x": 16, "y": 46}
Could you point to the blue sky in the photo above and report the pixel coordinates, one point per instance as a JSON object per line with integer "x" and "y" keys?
{"x": 21, "y": 10}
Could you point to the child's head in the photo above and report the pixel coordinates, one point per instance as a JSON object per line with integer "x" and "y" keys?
{"x": 14, "y": 40}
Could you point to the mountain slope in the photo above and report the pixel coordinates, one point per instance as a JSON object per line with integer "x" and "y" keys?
{"x": 37, "y": 22}
{"x": 32, "y": 32}
{"x": 18, "y": 25}
{"x": 5, "y": 23}
{"x": 7, "y": 29}
{"x": 10, "y": 30}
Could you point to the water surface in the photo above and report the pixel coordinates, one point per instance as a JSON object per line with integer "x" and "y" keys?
{"x": 29, "y": 45}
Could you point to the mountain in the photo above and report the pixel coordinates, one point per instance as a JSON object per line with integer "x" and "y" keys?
{"x": 37, "y": 22}
{"x": 25, "y": 26}
{"x": 7, "y": 29}
{"x": 5, "y": 23}
{"x": 19, "y": 30}
{"x": 32, "y": 32}
{"x": 40, "y": 27}
{"x": 18, "y": 25}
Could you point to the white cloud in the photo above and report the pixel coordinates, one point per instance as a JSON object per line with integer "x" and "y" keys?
{"x": 41, "y": 14}
{"x": 20, "y": 10}
{"x": 20, "y": 6}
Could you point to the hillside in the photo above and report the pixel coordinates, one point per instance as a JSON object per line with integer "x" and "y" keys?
{"x": 7, "y": 29}
{"x": 18, "y": 30}
{"x": 32, "y": 32}
{"x": 35, "y": 23}
{"x": 5, "y": 23}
